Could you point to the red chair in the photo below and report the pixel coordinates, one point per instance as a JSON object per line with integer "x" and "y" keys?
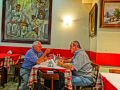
{"x": 18, "y": 66}
{"x": 17, "y": 70}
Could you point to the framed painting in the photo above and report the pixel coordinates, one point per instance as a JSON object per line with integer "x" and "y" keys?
{"x": 24, "y": 21}
{"x": 93, "y": 21}
{"x": 110, "y": 13}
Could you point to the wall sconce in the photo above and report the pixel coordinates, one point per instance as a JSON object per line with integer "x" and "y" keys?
{"x": 68, "y": 20}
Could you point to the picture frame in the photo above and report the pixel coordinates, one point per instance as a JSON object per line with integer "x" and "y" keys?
{"x": 110, "y": 13}
{"x": 24, "y": 21}
{"x": 93, "y": 21}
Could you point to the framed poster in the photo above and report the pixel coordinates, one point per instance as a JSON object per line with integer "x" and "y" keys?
{"x": 110, "y": 13}
{"x": 93, "y": 21}
{"x": 24, "y": 21}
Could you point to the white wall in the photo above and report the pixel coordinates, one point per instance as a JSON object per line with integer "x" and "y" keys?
{"x": 108, "y": 39}
{"x": 61, "y": 36}
{"x": 93, "y": 40}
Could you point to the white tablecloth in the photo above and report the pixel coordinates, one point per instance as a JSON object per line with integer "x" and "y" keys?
{"x": 113, "y": 78}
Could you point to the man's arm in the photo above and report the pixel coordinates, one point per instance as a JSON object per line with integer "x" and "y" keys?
{"x": 67, "y": 60}
{"x": 66, "y": 65}
{"x": 43, "y": 57}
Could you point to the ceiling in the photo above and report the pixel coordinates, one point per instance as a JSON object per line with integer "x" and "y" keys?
{"x": 87, "y": 1}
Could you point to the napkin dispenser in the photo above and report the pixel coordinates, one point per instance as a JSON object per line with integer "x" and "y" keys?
{"x": 50, "y": 72}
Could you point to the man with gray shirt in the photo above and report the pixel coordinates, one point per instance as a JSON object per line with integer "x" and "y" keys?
{"x": 80, "y": 65}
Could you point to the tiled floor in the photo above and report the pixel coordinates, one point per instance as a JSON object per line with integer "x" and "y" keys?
{"x": 10, "y": 86}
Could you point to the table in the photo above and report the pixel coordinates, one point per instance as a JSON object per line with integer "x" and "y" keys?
{"x": 114, "y": 70}
{"x": 33, "y": 74}
{"x": 10, "y": 59}
{"x": 111, "y": 81}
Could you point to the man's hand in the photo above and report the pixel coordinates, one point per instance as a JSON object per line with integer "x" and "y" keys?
{"x": 47, "y": 51}
{"x": 45, "y": 59}
{"x": 67, "y": 60}
{"x": 60, "y": 62}
{"x": 65, "y": 65}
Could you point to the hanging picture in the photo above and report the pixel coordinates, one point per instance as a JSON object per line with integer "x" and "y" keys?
{"x": 110, "y": 13}
{"x": 93, "y": 21}
{"x": 24, "y": 21}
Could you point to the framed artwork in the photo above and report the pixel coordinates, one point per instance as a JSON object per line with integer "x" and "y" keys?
{"x": 24, "y": 21}
{"x": 110, "y": 13}
{"x": 93, "y": 21}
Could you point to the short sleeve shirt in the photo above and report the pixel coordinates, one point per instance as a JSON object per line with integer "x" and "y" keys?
{"x": 31, "y": 58}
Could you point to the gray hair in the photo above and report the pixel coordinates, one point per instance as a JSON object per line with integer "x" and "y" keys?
{"x": 76, "y": 43}
{"x": 35, "y": 43}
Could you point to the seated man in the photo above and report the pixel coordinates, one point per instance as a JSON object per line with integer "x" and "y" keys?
{"x": 80, "y": 65}
{"x": 32, "y": 57}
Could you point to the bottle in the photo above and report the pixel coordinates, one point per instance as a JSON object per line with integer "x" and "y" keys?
{"x": 50, "y": 64}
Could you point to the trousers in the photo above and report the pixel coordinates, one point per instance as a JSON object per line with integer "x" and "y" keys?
{"x": 81, "y": 80}
{"x": 24, "y": 74}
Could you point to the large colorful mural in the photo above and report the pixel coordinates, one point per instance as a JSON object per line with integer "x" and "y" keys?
{"x": 27, "y": 20}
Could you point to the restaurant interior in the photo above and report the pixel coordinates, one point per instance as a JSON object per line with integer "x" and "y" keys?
{"x": 94, "y": 23}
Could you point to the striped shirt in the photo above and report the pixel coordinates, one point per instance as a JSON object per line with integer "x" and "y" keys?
{"x": 82, "y": 64}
